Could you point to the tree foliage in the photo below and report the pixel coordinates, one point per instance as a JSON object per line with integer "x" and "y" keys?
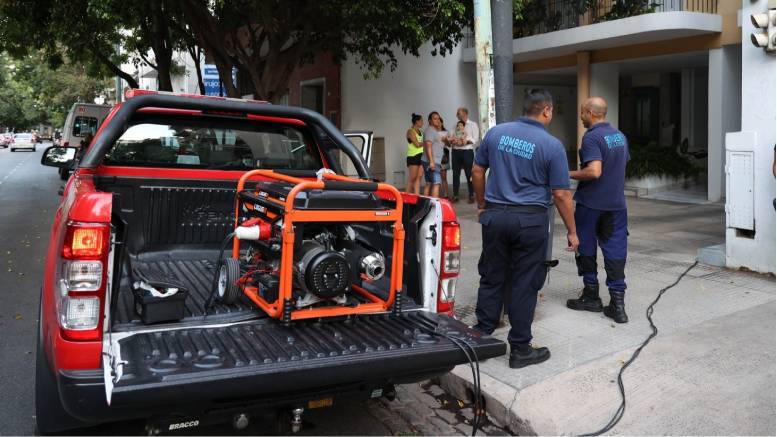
{"x": 32, "y": 92}
{"x": 267, "y": 39}
{"x": 87, "y": 32}
{"x": 264, "y": 39}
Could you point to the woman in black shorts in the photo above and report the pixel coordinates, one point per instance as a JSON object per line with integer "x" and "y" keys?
{"x": 415, "y": 149}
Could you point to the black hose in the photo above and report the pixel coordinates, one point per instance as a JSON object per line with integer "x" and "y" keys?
{"x": 219, "y": 262}
{"x": 472, "y": 358}
{"x": 649, "y": 313}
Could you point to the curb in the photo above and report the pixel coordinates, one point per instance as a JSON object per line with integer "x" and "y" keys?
{"x": 501, "y": 401}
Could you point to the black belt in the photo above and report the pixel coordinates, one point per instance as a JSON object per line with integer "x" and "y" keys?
{"x": 516, "y": 207}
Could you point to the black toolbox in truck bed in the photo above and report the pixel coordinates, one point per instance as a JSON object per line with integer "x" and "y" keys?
{"x": 263, "y": 358}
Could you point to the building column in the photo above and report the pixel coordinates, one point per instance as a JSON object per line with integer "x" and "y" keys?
{"x": 686, "y": 105}
{"x": 583, "y": 89}
{"x": 723, "y": 113}
{"x": 605, "y": 79}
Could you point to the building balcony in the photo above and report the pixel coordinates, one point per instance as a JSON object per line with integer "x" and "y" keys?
{"x": 543, "y": 16}
{"x": 552, "y": 28}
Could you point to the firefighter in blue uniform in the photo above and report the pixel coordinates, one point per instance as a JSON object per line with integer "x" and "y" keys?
{"x": 600, "y": 211}
{"x": 528, "y": 168}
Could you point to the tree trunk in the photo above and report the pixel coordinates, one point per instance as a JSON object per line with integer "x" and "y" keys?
{"x": 131, "y": 82}
{"x": 206, "y": 32}
{"x": 225, "y": 74}
{"x": 196, "y": 55}
{"x": 161, "y": 46}
{"x": 165, "y": 83}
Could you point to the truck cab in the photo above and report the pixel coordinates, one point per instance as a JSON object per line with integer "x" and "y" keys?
{"x": 151, "y": 201}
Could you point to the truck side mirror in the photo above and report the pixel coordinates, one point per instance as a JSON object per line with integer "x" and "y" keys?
{"x": 59, "y": 156}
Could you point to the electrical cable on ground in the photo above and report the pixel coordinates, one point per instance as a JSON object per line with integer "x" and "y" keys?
{"x": 474, "y": 365}
{"x": 649, "y": 313}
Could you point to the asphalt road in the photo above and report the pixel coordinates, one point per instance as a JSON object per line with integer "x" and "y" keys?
{"x": 28, "y": 200}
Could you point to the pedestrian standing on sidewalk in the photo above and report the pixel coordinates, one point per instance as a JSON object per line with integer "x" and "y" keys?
{"x": 415, "y": 149}
{"x": 600, "y": 211}
{"x": 445, "y": 162}
{"x": 434, "y": 143}
{"x": 528, "y": 170}
{"x": 463, "y": 154}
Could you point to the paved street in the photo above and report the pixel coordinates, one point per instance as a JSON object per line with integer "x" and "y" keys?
{"x": 28, "y": 195}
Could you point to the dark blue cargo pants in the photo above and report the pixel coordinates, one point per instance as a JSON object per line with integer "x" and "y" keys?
{"x": 608, "y": 230}
{"x": 512, "y": 261}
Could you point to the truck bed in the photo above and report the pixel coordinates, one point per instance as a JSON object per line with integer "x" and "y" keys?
{"x": 196, "y": 275}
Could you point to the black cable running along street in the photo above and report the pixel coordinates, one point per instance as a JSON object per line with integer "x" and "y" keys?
{"x": 474, "y": 365}
{"x": 472, "y": 358}
{"x": 649, "y": 313}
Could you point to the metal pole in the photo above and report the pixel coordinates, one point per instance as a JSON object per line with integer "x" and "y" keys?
{"x": 119, "y": 95}
{"x": 502, "y": 22}
{"x": 485, "y": 74}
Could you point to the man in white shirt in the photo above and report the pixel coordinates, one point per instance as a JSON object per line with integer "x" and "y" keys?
{"x": 463, "y": 155}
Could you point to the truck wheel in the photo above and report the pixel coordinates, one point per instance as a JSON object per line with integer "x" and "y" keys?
{"x": 50, "y": 415}
{"x": 227, "y": 288}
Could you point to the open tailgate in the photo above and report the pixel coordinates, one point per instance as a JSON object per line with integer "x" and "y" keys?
{"x": 262, "y": 358}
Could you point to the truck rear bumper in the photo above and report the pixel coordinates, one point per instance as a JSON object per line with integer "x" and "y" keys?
{"x": 180, "y": 372}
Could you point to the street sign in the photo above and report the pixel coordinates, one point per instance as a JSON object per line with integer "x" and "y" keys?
{"x": 212, "y": 81}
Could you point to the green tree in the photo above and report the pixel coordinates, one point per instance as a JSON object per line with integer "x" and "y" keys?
{"x": 267, "y": 39}
{"x": 85, "y": 31}
{"x": 32, "y": 92}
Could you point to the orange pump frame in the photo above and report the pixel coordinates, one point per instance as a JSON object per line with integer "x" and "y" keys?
{"x": 281, "y": 307}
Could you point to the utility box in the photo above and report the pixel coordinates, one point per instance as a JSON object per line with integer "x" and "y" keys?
{"x": 740, "y": 180}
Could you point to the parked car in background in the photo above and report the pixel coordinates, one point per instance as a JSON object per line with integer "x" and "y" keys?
{"x": 6, "y": 140}
{"x": 24, "y": 141}
{"x": 83, "y": 119}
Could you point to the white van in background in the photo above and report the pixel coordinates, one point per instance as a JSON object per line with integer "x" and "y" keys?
{"x": 82, "y": 120}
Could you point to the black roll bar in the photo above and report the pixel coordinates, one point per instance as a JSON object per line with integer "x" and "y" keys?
{"x": 118, "y": 124}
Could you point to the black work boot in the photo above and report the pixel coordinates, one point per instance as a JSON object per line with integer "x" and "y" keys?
{"x": 616, "y": 310}
{"x": 588, "y": 301}
{"x": 526, "y": 355}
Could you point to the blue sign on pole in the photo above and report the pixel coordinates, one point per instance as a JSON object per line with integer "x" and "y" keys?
{"x": 212, "y": 81}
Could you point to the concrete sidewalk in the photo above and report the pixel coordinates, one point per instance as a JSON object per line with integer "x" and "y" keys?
{"x": 710, "y": 371}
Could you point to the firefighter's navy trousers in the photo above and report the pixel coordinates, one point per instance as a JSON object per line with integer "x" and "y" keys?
{"x": 512, "y": 261}
{"x": 607, "y": 230}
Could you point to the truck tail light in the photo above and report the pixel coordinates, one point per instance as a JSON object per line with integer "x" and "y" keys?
{"x": 449, "y": 273}
{"x": 83, "y": 280}
{"x": 85, "y": 242}
{"x": 83, "y": 275}
{"x": 80, "y": 313}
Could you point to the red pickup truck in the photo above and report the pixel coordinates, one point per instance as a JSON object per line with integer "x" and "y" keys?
{"x": 151, "y": 201}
